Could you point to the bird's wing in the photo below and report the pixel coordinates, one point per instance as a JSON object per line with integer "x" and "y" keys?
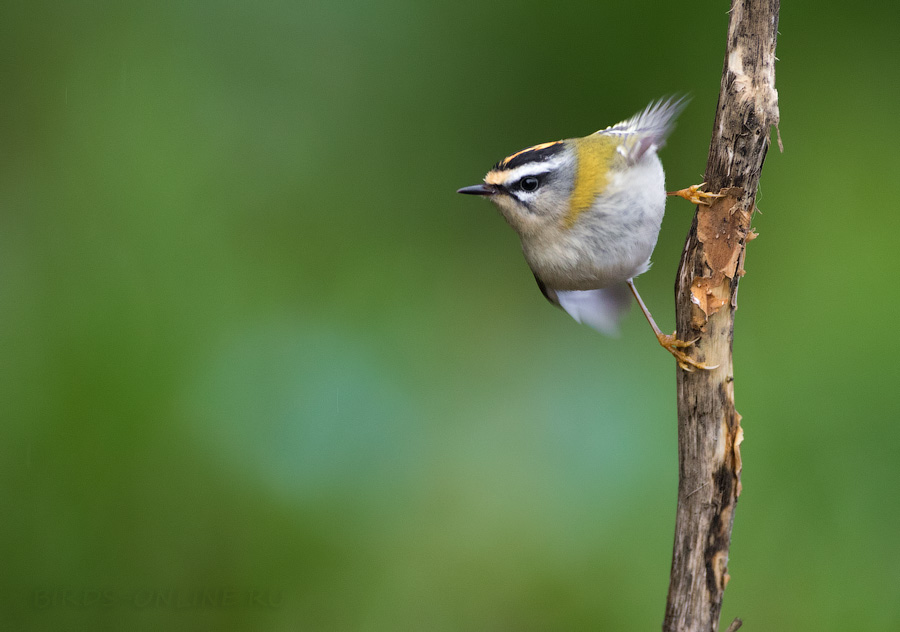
{"x": 648, "y": 129}
{"x": 549, "y": 294}
{"x": 599, "y": 309}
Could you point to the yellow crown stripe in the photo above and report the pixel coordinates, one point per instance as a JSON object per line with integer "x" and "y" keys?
{"x": 496, "y": 177}
{"x": 595, "y": 155}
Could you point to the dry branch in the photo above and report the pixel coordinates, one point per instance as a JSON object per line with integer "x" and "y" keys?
{"x": 709, "y": 432}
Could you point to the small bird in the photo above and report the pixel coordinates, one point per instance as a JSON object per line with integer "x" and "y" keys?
{"x": 588, "y": 212}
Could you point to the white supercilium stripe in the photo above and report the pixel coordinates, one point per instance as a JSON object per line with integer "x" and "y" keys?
{"x": 529, "y": 169}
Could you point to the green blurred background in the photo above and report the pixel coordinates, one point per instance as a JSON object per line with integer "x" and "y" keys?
{"x": 262, "y": 369}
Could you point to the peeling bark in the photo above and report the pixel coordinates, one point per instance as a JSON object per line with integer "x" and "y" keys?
{"x": 712, "y": 264}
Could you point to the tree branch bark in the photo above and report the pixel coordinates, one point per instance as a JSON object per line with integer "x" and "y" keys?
{"x": 709, "y": 431}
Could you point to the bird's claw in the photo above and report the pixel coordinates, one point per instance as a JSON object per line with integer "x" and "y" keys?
{"x": 673, "y": 345}
{"x": 694, "y": 195}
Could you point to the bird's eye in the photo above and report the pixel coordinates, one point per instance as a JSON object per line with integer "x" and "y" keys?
{"x": 530, "y": 183}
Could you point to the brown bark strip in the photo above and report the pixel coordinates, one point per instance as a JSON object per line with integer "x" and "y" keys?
{"x": 712, "y": 264}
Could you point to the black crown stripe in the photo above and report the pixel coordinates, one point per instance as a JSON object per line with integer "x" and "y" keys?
{"x": 538, "y": 153}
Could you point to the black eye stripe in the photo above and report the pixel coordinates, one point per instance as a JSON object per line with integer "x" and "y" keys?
{"x": 528, "y": 184}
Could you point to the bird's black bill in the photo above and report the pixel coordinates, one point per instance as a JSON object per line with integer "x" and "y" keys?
{"x": 478, "y": 189}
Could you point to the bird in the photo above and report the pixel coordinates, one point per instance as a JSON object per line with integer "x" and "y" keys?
{"x": 588, "y": 212}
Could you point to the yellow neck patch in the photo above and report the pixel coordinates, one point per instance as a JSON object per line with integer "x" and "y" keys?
{"x": 595, "y": 154}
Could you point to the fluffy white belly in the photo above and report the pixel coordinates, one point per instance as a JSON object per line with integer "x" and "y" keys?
{"x": 612, "y": 241}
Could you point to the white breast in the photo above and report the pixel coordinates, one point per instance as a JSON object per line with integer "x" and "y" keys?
{"x": 612, "y": 241}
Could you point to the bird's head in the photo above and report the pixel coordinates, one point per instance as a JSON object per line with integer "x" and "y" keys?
{"x": 548, "y": 186}
{"x": 551, "y": 185}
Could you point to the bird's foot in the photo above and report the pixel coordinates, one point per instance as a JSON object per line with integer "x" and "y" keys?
{"x": 694, "y": 195}
{"x": 675, "y": 346}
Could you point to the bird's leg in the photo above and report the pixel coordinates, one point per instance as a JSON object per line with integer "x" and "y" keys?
{"x": 694, "y": 195}
{"x": 668, "y": 341}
